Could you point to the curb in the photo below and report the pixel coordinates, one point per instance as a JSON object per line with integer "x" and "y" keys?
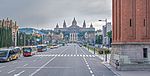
{"x": 115, "y": 73}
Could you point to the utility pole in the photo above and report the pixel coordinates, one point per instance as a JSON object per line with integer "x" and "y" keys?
{"x": 105, "y": 40}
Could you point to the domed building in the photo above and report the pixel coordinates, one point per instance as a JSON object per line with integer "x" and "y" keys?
{"x": 75, "y": 33}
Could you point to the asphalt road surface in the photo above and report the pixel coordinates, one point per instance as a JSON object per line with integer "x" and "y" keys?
{"x": 71, "y": 60}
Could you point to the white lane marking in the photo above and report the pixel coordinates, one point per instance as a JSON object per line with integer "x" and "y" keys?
{"x": 82, "y": 51}
{"x": 2, "y": 66}
{"x": 56, "y": 54}
{"x": 91, "y": 71}
{"x": 87, "y": 55}
{"x": 61, "y": 55}
{"x": 87, "y": 65}
{"x": 76, "y": 50}
{"x": 0, "y": 71}
{"x": 96, "y": 55}
{"x": 25, "y": 65}
{"x": 89, "y": 68}
{"x": 42, "y": 66}
{"x": 11, "y": 71}
{"x": 19, "y": 73}
{"x": 45, "y": 64}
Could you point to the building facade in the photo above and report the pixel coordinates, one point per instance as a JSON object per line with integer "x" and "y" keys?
{"x": 105, "y": 30}
{"x": 75, "y": 33}
{"x": 131, "y": 34}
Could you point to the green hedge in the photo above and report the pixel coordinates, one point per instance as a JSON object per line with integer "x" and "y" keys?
{"x": 99, "y": 50}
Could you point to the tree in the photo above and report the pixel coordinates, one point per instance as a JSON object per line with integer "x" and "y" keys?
{"x": 109, "y": 35}
{"x": 5, "y": 37}
{"x": 9, "y": 37}
{"x": 99, "y": 39}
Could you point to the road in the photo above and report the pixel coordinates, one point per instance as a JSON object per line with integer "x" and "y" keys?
{"x": 71, "y": 60}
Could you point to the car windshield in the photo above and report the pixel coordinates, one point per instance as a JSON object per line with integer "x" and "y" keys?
{"x": 26, "y": 49}
{"x": 3, "y": 53}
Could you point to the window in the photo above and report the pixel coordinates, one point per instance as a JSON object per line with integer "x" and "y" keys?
{"x": 145, "y": 53}
{"x": 144, "y": 22}
{"x": 130, "y": 22}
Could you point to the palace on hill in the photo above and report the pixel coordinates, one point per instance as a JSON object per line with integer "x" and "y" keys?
{"x": 75, "y": 33}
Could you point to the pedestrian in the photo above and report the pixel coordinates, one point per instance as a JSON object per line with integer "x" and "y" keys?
{"x": 117, "y": 64}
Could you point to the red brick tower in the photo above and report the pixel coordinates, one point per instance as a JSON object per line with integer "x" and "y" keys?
{"x": 131, "y": 33}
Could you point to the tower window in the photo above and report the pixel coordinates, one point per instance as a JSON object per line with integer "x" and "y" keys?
{"x": 144, "y": 22}
{"x": 130, "y": 22}
{"x": 145, "y": 53}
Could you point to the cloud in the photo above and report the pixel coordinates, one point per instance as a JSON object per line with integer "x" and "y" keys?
{"x": 47, "y": 13}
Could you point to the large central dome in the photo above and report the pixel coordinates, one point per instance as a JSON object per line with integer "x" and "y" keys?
{"x": 74, "y": 22}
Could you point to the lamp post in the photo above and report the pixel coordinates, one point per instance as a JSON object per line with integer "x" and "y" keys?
{"x": 105, "y": 40}
{"x": 106, "y": 31}
{"x": 104, "y": 20}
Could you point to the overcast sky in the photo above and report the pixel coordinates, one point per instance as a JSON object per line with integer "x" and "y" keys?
{"x": 47, "y": 13}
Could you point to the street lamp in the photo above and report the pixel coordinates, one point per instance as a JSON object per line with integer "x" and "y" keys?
{"x": 105, "y": 43}
{"x": 106, "y": 26}
{"x": 104, "y": 21}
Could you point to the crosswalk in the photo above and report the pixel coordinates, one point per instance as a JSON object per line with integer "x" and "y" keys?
{"x": 65, "y": 55}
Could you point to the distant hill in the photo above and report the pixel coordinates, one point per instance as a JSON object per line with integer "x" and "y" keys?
{"x": 33, "y": 30}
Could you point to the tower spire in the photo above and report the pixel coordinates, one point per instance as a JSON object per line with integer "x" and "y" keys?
{"x": 91, "y": 26}
{"x": 84, "y": 24}
{"x": 64, "y": 24}
{"x": 57, "y": 26}
{"x": 74, "y": 22}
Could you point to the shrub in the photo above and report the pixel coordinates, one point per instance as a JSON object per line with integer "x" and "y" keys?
{"x": 104, "y": 51}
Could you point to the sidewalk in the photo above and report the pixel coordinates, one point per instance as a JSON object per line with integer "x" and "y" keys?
{"x": 120, "y": 73}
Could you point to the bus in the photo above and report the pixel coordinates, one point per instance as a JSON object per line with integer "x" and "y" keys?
{"x": 42, "y": 48}
{"x": 29, "y": 51}
{"x": 8, "y": 54}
